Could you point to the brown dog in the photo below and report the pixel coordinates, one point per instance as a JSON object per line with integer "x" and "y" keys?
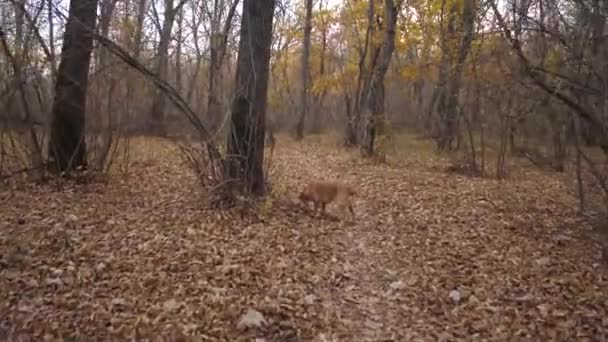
{"x": 323, "y": 193}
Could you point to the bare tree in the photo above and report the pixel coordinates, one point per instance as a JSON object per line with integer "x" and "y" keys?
{"x": 448, "y": 100}
{"x": 374, "y": 102}
{"x": 217, "y": 47}
{"x": 67, "y": 146}
{"x": 305, "y": 71}
{"x": 354, "y": 115}
{"x": 156, "y": 124}
{"x": 107, "y": 11}
{"x": 142, "y": 6}
{"x": 246, "y": 141}
{"x": 319, "y": 95}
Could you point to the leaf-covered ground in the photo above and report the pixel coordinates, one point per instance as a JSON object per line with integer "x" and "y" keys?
{"x": 432, "y": 256}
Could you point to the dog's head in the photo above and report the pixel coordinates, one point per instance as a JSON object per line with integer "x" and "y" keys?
{"x": 305, "y": 195}
{"x": 352, "y": 190}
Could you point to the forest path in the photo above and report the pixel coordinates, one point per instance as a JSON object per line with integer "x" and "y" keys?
{"x": 431, "y": 256}
{"x": 438, "y": 256}
{"x": 358, "y": 290}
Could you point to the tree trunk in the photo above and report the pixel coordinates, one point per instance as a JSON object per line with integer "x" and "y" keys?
{"x": 352, "y": 133}
{"x": 135, "y": 47}
{"x": 437, "y": 103}
{"x": 107, "y": 11}
{"x": 51, "y": 32}
{"x": 19, "y": 25}
{"x": 217, "y": 51}
{"x": 245, "y": 155}
{"x": 579, "y": 176}
{"x": 374, "y": 104}
{"x": 139, "y": 28}
{"x": 156, "y": 124}
{"x": 449, "y": 108}
{"x": 67, "y": 148}
{"x": 178, "y": 52}
{"x": 305, "y": 71}
{"x": 558, "y": 129}
{"x": 319, "y": 97}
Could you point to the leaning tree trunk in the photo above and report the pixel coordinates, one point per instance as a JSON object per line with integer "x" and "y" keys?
{"x": 245, "y": 155}
{"x": 67, "y": 148}
{"x": 305, "y": 71}
{"x": 374, "y": 104}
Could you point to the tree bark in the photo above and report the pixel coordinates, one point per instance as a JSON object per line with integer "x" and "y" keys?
{"x": 135, "y": 47}
{"x": 217, "y": 47}
{"x": 107, "y": 11}
{"x": 352, "y": 126}
{"x": 139, "y": 28}
{"x": 178, "y": 52}
{"x": 156, "y": 124}
{"x": 245, "y": 154}
{"x": 449, "y": 104}
{"x": 305, "y": 71}
{"x": 319, "y": 96}
{"x": 437, "y": 102}
{"x": 374, "y": 104}
{"x": 67, "y": 148}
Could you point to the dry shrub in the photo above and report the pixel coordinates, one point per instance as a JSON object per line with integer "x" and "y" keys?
{"x": 207, "y": 170}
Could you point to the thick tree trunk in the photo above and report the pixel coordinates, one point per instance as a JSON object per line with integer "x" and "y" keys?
{"x": 67, "y": 148}
{"x": 245, "y": 155}
{"x": 374, "y": 104}
{"x": 305, "y": 71}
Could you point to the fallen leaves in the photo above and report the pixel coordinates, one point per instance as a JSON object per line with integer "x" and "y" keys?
{"x": 251, "y": 319}
{"x": 432, "y": 256}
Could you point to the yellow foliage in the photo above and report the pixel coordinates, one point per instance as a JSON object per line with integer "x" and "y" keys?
{"x": 410, "y": 72}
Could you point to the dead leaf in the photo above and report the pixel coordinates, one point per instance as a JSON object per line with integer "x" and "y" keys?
{"x": 397, "y": 285}
{"x": 251, "y": 319}
{"x": 455, "y": 296}
{"x": 171, "y": 305}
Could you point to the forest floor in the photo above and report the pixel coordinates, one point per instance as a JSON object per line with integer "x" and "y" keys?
{"x": 431, "y": 256}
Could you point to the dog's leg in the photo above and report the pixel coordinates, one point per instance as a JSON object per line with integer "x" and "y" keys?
{"x": 323, "y": 204}
{"x": 350, "y": 208}
{"x": 316, "y": 208}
